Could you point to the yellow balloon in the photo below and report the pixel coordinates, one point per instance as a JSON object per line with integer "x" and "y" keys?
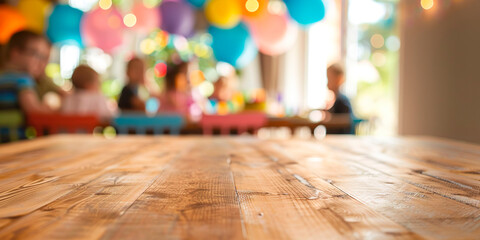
{"x": 223, "y": 13}
{"x": 35, "y": 12}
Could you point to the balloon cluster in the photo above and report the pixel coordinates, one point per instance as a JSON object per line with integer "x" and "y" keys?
{"x": 239, "y": 28}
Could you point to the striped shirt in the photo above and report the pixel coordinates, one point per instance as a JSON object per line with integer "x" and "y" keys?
{"x": 11, "y": 84}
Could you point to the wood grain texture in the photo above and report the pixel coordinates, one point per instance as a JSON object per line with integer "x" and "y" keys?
{"x": 132, "y": 187}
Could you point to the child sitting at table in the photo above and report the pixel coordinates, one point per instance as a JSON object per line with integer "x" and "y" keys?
{"x": 17, "y": 87}
{"x": 129, "y": 99}
{"x": 87, "y": 98}
{"x": 177, "y": 95}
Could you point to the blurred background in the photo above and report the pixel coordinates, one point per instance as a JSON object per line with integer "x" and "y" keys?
{"x": 411, "y": 66}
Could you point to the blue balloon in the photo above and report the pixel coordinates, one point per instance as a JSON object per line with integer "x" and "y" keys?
{"x": 306, "y": 12}
{"x": 64, "y": 25}
{"x": 197, "y": 3}
{"x": 234, "y": 46}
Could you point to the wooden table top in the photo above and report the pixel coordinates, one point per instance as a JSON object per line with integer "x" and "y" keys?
{"x": 134, "y": 187}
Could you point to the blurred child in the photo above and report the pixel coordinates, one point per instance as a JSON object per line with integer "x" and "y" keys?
{"x": 337, "y": 103}
{"x": 44, "y": 84}
{"x": 17, "y": 87}
{"x": 86, "y": 98}
{"x": 177, "y": 96}
{"x": 129, "y": 99}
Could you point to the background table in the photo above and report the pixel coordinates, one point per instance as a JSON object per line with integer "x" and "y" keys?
{"x": 133, "y": 187}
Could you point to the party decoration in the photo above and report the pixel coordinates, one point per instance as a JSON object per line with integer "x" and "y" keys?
{"x": 197, "y": 3}
{"x": 64, "y": 25}
{"x": 273, "y": 33}
{"x": 234, "y": 46}
{"x": 147, "y": 18}
{"x": 34, "y": 12}
{"x": 306, "y": 12}
{"x": 222, "y": 13}
{"x": 160, "y": 69}
{"x": 177, "y": 17}
{"x": 254, "y": 8}
{"x": 103, "y": 29}
{"x": 10, "y": 22}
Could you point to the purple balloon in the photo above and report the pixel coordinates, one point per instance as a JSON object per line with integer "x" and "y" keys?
{"x": 177, "y": 17}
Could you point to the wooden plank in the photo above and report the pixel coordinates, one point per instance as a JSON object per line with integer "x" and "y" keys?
{"x": 424, "y": 212}
{"x": 421, "y": 168}
{"x": 88, "y": 210}
{"x": 194, "y": 197}
{"x": 60, "y": 180}
{"x": 283, "y": 200}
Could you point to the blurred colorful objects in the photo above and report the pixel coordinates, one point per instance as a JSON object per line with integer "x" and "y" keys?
{"x": 147, "y": 18}
{"x": 223, "y": 14}
{"x": 177, "y": 17}
{"x": 273, "y": 33}
{"x": 240, "y": 49}
{"x": 64, "y": 25}
{"x": 196, "y": 77}
{"x": 35, "y": 12}
{"x": 306, "y": 12}
{"x": 10, "y": 22}
{"x": 254, "y": 8}
{"x": 197, "y": 3}
{"x": 160, "y": 69}
{"x": 106, "y": 36}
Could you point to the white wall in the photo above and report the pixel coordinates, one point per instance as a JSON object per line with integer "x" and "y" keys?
{"x": 440, "y": 71}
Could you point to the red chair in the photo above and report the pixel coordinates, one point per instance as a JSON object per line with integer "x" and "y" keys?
{"x": 55, "y": 123}
{"x": 242, "y": 122}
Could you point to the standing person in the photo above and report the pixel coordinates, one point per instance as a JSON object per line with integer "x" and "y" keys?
{"x": 129, "y": 99}
{"x": 338, "y": 104}
{"x": 17, "y": 87}
{"x": 86, "y": 98}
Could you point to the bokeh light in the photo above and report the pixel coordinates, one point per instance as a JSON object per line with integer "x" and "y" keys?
{"x": 151, "y": 3}
{"x": 222, "y": 108}
{"x": 147, "y": 46}
{"x": 160, "y": 69}
{"x": 316, "y": 116}
{"x": 379, "y": 59}
{"x": 206, "y": 88}
{"x": 377, "y": 41}
{"x": 109, "y": 132}
{"x": 393, "y": 43}
{"x": 105, "y": 4}
{"x": 151, "y": 106}
{"x": 30, "y": 133}
{"x": 130, "y": 20}
{"x": 197, "y": 77}
{"x": 302, "y": 133}
{"x": 252, "y": 5}
{"x": 427, "y": 4}
{"x": 162, "y": 38}
{"x": 320, "y": 132}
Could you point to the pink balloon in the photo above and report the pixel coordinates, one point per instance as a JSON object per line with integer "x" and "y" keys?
{"x": 103, "y": 29}
{"x": 147, "y": 18}
{"x": 274, "y": 34}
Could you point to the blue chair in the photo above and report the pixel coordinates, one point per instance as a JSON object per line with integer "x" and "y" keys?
{"x": 140, "y": 123}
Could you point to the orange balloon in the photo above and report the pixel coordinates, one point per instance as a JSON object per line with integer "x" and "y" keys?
{"x": 11, "y": 22}
{"x": 253, "y": 8}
